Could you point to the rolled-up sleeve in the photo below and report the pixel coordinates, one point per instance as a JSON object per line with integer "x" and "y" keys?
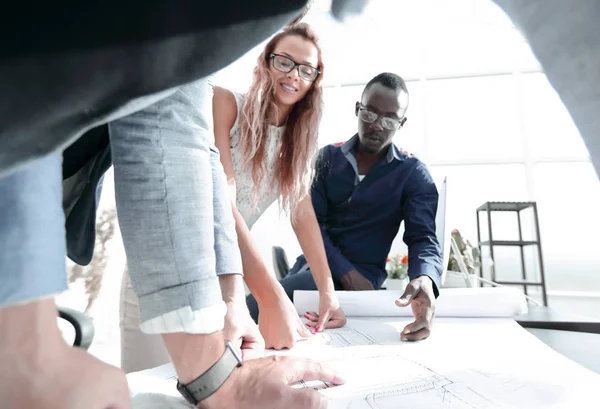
{"x": 165, "y": 202}
{"x": 419, "y": 207}
{"x": 227, "y": 250}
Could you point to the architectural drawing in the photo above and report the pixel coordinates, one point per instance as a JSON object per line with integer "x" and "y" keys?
{"x": 342, "y": 337}
{"x": 382, "y": 375}
{"x": 435, "y": 391}
{"x": 465, "y": 364}
{"x": 394, "y": 381}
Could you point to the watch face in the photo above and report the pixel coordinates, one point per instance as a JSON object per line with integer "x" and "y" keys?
{"x": 234, "y": 351}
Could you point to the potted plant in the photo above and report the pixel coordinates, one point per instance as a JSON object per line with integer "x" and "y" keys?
{"x": 397, "y": 269}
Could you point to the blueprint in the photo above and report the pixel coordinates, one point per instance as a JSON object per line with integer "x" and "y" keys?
{"x": 466, "y": 363}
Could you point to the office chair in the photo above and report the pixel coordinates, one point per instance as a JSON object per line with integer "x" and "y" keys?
{"x": 84, "y": 326}
{"x": 280, "y": 262}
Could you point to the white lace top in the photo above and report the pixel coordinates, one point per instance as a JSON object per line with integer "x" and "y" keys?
{"x": 243, "y": 178}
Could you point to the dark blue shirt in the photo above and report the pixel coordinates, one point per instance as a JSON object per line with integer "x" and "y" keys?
{"x": 360, "y": 219}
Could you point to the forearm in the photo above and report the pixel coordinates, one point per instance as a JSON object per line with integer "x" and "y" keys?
{"x": 263, "y": 285}
{"x": 29, "y": 328}
{"x": 232, "y": 288}
{"x": 309, "y": 236}
{"x": 193, "y": 354}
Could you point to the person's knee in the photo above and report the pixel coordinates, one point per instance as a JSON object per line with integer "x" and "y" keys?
{"x": 300, "y": 281}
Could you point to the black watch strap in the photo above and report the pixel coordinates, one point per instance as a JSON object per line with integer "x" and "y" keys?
{"x": 211, "y": 380}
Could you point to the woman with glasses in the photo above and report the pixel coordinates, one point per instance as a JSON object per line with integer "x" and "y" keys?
{"x": 268, "y": 140}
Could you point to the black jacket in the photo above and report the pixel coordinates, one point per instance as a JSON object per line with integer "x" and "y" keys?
{"x": 67, "y": 68}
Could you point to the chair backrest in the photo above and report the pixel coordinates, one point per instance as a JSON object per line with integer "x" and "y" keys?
{"x": 82, "y": 324}
{"x": 443, "y": 232}
{"x": 280, "y": 262}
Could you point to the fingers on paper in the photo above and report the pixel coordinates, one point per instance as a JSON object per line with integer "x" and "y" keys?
{"x": 304, "y": 369}
{"x": 410, "y": 293}
{"x": 416, "y": 331}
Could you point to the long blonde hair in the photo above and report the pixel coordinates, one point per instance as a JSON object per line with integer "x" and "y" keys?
{"x": 294, "y": 160}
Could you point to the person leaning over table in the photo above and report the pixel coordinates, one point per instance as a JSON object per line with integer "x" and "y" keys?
{"x": 363, "y": 190}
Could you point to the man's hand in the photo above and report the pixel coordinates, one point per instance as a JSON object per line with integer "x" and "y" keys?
{"x": 280, "y": 324}
{"x": 419, "y": 294}
{"x": 241, "y": 330}
{"x": 40, "y": 371}
{"x": 239, "y": 327}
{"x": 265, "y": 384}
{"x": 330, "y": 314}
{"x": 69, "y": 379}
{"x": 355, "y": 281}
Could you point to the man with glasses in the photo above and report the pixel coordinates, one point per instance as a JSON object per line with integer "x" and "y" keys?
{"x": 363, "y": 190}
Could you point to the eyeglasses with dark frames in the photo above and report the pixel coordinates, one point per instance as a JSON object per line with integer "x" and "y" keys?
{"x": 286, "y": 64}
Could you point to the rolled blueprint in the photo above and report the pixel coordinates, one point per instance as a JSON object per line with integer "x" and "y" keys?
{"x": 452, "y": 302}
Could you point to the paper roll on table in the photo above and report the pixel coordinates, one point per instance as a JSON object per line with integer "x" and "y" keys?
{"x": 452, "y": 302}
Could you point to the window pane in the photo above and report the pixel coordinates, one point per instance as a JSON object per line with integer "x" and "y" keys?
{"x": 568, "y": 196}
{"x": 412, "y": 135}
{"x": 524, "y": 57}
{"x": 471, "y": 186}
{"x": 472, "y": 119}
{"x": 345, "y": 65}
{"x": 468, "y": 188}
{"x": 457, "y": 50}
{"x": 547, "y": 122}
{"x": 338, "y": 123}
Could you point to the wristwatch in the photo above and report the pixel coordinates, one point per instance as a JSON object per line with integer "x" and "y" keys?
{"x": 211, "y": 380}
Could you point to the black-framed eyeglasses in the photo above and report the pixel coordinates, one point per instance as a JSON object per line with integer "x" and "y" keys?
{"x": 368, "y": 116}
{"x": 286, "y": 64}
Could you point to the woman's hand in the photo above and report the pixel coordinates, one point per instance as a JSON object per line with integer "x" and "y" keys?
{"x": 330, "y": 313}
{"x": 280, "y": 324}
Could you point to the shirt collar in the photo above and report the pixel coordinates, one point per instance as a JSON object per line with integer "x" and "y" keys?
{"x": 349, "y": 147}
